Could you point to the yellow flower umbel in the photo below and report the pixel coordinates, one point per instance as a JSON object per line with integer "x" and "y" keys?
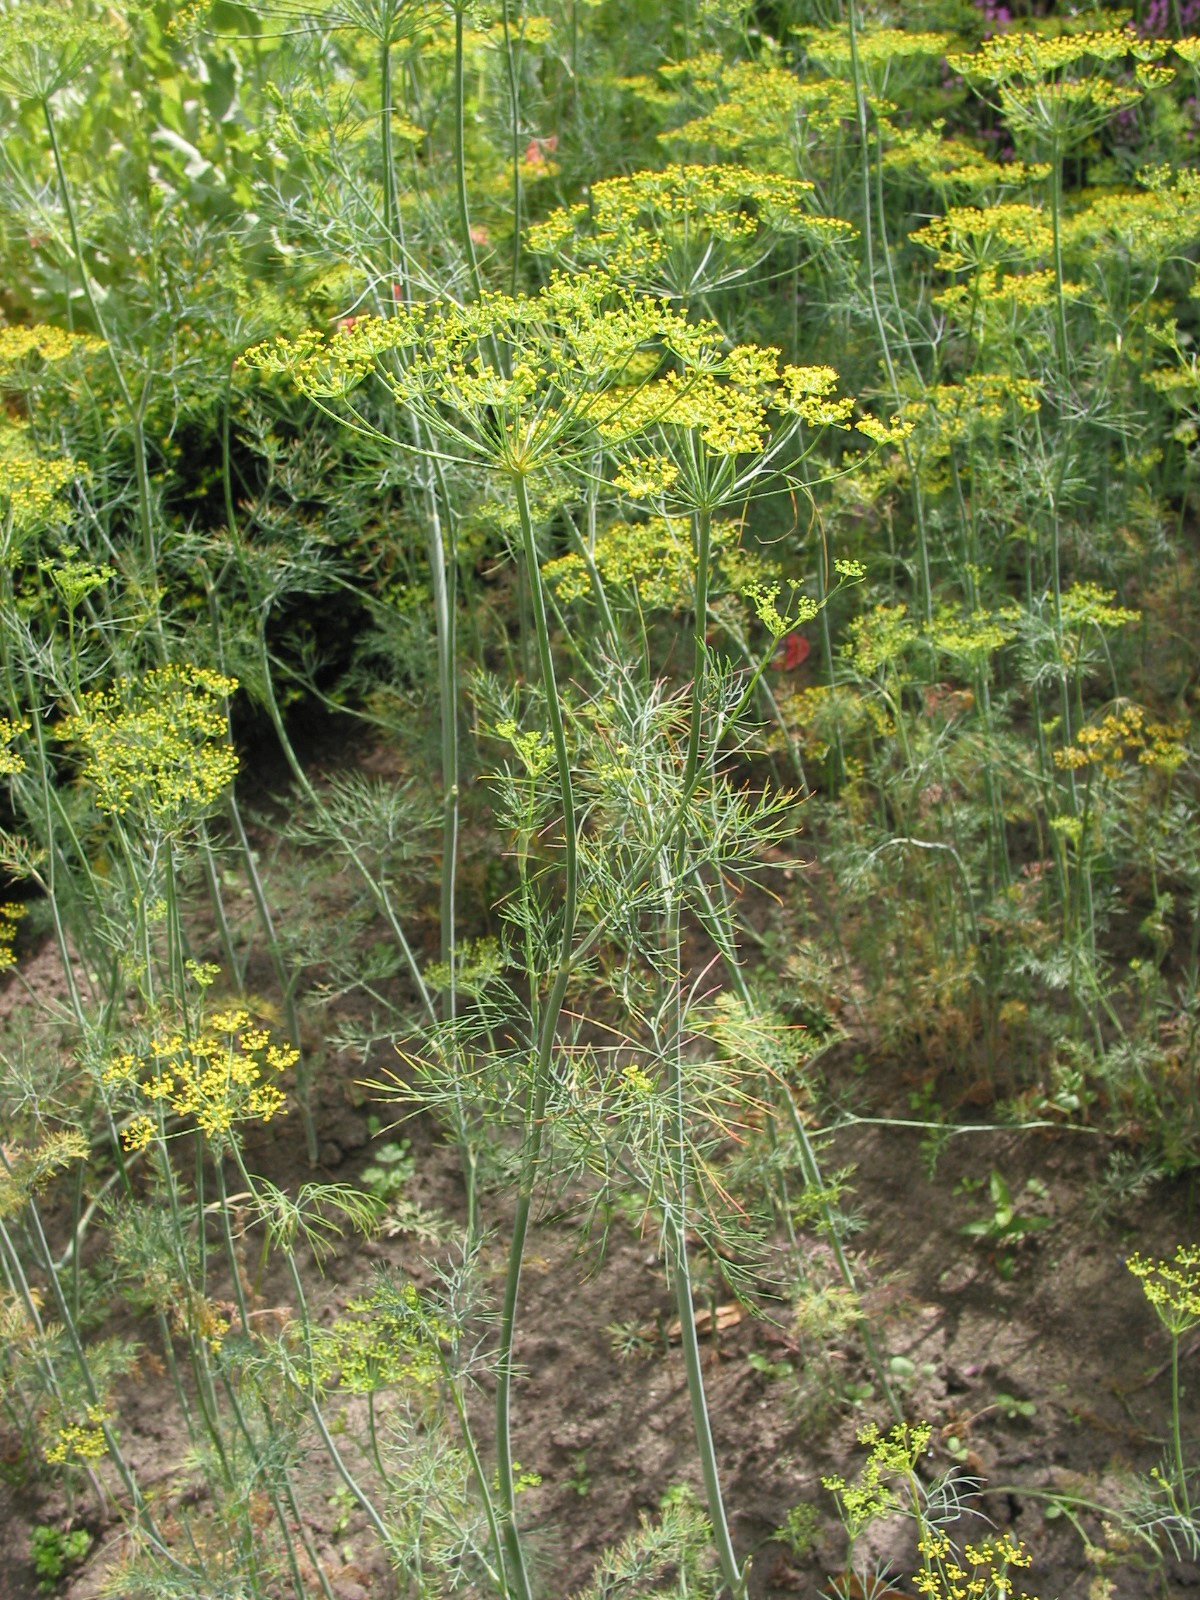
{"x": 79, "y": 1443}
{"x": 980, "y": 1572}
{"x": 1053, "y": 92}
{"x": 43, "y": 47}
{"x": 762, "y": 110}
{"x": 653, "y": 561}
{"x": 517, "y": 383}
{"x": 525, "y": 383}
{"x": 1172, "y": 1287}
{"x": 1126, "y": 732}
{"x": 389, "y": 1341}
{"x": 685, "y": 230}
{"x": 221, "y": 1076}
{"x": 11, "y": 912}
{"x": 31, "y": 487}
{"x": 156, "y": 748}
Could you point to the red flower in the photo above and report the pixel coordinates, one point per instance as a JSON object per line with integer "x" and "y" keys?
{"x": 793, "y": 651}
{"x": 537, "y": 150}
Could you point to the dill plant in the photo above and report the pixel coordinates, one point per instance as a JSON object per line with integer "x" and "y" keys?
{"x": 584, "y": 370}
{"x": 999, "y": 770}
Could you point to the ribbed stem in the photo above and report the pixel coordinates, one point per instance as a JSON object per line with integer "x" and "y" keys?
{"x": 536, "y": 1104}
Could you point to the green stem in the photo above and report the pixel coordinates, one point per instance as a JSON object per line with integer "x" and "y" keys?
{"x": 443, "y": 566}
{"x": 467, "y": 1435}
{"x": 675, "y": 1212}
{"x": 1176, "y": 1431}
{"x": 860, "y": 100}
{"x": 389, "y": 157}
{"x": 514, "y": 111}
{"x": 536, "y": 1105}
{"x": 460, "y": 162}
{"x": 135, "y": 410}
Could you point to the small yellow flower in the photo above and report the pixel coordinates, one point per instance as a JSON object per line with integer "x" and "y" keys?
{"x": 79, "y": 1443}
{"x": 138, "y": 1133}
{"x": 1172, "y": 1287}
{"x": 157, "y": 747}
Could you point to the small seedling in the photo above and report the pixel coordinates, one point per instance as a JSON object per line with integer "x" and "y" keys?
{"x": 54, "y": 1552}
{"x": 344, "y": 1503}
{"x": 773, "y": 1370}
{"x": 903, "y": 1371}
{"x": 1005, "y": 1228}
{"x": 1014, "y": 1408}
{"x": 579, "y": 1479}
{"x": 391, "y": 1169}
{"x": 798, "y": 1530}
{"x": 631, "y": 1340}
{"x": 858, "y": 1394}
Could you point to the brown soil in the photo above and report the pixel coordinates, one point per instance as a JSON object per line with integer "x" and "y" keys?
{"x": 1069, "y": 1331}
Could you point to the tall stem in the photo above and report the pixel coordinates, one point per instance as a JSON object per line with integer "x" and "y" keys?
{"x": 514, "y": 111}
{"x": 676, "y": 1207}
{"x": 1177, "y": 1436}
{"x": 134, "y": 409}
{"x": 535, "y": 1110}
{"x": 860, "y": 99}
{"x": 460, "y": 159}
{"x": 675, "y": 1232}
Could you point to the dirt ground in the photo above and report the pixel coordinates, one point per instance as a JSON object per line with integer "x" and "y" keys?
{"x": 1054, "y": 1378}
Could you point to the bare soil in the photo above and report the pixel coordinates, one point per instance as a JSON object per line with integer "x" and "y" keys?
{"x": 1054, "y": 1378}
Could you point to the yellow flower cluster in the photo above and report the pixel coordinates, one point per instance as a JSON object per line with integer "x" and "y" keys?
{"x": 196, "y": 1317}
{"x": 533, "y": 750}
{"x": 1048, "y": 87}
{"x": 1172, "y": 1287}
{"x": 1126, "y": 732}
{"x": 730, "y": 419}
{"x": 29, "y": 1168}
{"x": 678, "y": 215}
{"x": 42, "y": 47}
{"x": 879, "y": 637}
{"x": 219, "y": 1077}
{"x": 585, "y": 357}
{"x": 948, "y": 412}
{"x": 18, "y": 344}
{"x": 1148, "y": 226}
{"x": 952, "y": 163}
{"x": 879, "y": 49}
{"x": 971, "y": 238}
{"x": 10, "y": 761}
{"x": 11, "y": 913}
{"x": 893, "y": 1454}
{"x": 1088, "y": 605}
{"x": 975, "y": 637}
{"x": 655, "y": 559}
{"x": 1026, "y": 56}
{"x": 728, "y": 404}
{"x": 30, "y": 485}
{"x": 156, "y": 746}
{"x": 644, "y": 477}
{"x": 389, "y": 1340}
{"x": 985, "y": 1575}
{"x": 75, "y": 577}
{"x": 764, "y": 107}
{"x": 79, "y": 1442}
{"x": 514, "y": 380}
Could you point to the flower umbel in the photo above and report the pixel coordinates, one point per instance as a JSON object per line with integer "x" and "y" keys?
{"x": 1172, "y": 1287}
{"x": 222, "y": 1075}
{"x": 156, "y": 747}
